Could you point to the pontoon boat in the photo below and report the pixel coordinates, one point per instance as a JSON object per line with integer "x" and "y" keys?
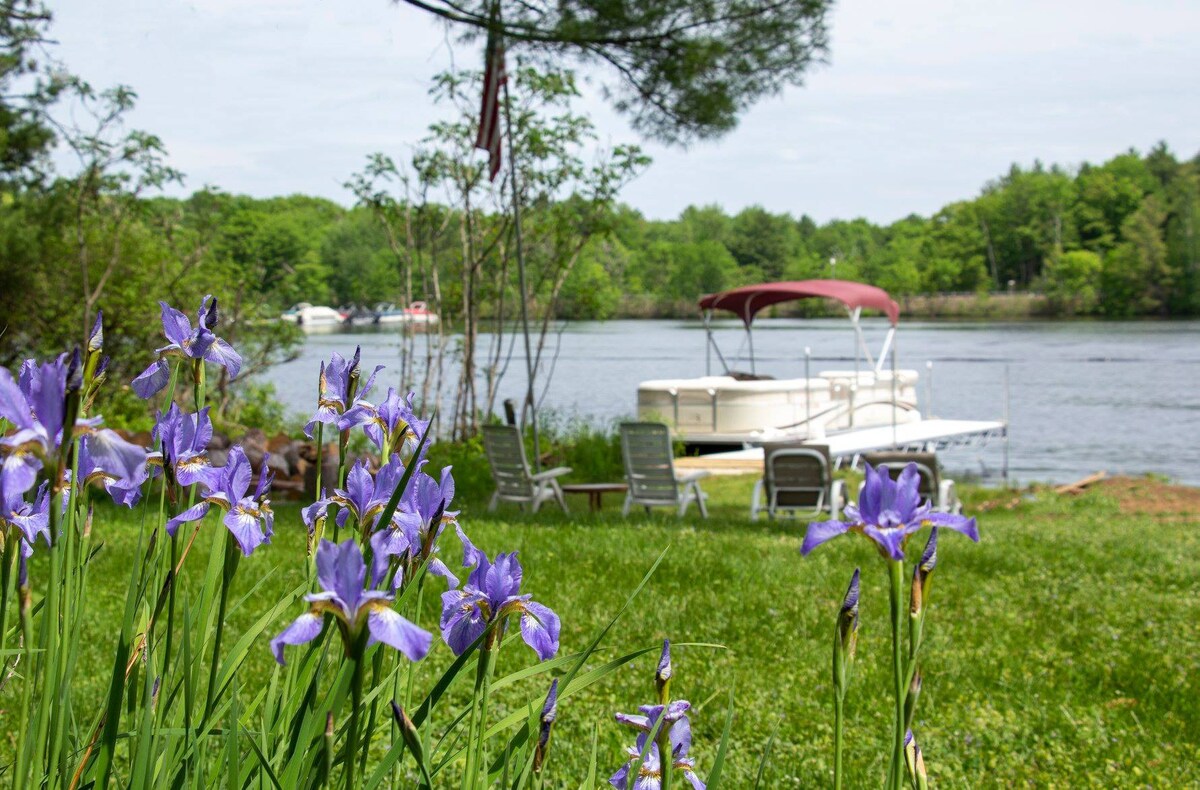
{"x": 737, "y": 409}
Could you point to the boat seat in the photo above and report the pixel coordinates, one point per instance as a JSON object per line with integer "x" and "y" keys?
{"x": 933, "y": 487}
{"x": 797, "y": 478}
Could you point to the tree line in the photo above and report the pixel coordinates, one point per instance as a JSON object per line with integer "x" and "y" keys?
{"x": 1116, "y": 238}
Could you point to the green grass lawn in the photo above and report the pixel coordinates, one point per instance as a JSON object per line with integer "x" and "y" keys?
{"x": 1062, "y": 651}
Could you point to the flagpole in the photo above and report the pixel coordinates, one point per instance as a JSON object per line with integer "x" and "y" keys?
{"x": 516, "y": 201}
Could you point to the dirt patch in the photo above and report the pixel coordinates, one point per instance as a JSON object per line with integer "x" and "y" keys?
{"x": 1146, "y": 496}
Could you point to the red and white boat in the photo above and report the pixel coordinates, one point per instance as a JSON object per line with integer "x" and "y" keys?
{"x": 416, "y": 314}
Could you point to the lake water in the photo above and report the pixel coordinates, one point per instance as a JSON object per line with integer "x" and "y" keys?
{"x": 1084, "y": 396}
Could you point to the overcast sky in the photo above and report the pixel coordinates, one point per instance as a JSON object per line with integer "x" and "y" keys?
{"x": 921, "y": 103}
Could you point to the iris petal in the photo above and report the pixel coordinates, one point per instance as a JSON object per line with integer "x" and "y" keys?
{"x": 152, "y": 379}
{"x": 540, "y": 628}
{"x": 246, "y": 528}
{"x": 821, "y": 531}
{"x": 387, "y": 626}
{"x": 961, "y": 524}
{"x": 304, "y": 628}
{"x": 194, "y": 513}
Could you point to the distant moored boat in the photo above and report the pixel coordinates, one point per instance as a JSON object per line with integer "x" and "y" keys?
{"x": 416, "y": 314}
{"x": 313, "y": 317}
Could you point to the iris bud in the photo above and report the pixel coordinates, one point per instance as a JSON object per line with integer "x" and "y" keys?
{"x": 408, "y": 731}
{"x": 662, "y": 674}
{"x": 910, "y": 699}
{"x": 549, "y": 714}
{"x": 848, "y": 617}
{"x": 96, "y": 338}
{"x": 212, "y": 317}
{"x": 915, "y": 762}
{"x": 923, "y": 572}
{"x": 845, "y": 641}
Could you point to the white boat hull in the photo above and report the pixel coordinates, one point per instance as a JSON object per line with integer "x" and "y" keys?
{"x": 406, "y": 318}
{"x": 725, "y": 410}
{"x": 314, "y": 318}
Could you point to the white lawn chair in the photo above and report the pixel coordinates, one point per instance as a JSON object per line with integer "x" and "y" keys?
{"x": 650, "y": 470}
{"x": 799, "y": 479}
{"x": 510, "y": 471}
{"x": 934, "y": 487}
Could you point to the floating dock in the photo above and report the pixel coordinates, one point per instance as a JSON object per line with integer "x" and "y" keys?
{"x": 923, "y": 435}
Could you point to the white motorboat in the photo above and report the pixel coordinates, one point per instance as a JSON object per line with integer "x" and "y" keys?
{"x": 737, "y": 409}
{"x": 416, "y": 314}
{"x": 313, "y": 318}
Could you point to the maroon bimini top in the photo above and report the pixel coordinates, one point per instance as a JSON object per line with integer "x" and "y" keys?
{"x": 747, "y": 300}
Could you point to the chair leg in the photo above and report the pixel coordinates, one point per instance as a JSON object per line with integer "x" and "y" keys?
{"x": 700, "y": 501}
{"x": 539, "y": 496}
{"x": 755, "y": 500}
{"x": 684, "y": 501}
{"x": 628, "y": 504}
{"x": 494, "y": 503}
{"x": 558, "y": 494}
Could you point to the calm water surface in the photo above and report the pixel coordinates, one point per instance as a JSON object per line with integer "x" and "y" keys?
{"x": 1123, "y": 397}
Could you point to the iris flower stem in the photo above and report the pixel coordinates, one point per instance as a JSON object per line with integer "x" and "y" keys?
{"x": 838, "y": 721}
{"x": 198, "y": 383}
{"x": 376, "y": 674}
{"x": 23, "y": 755}
{"x": 227, "y": 573}
{"x": 172, "y": 383}
{"x": 416, "y": 619}
{"x": 666, "y": 759}
{"x": 916, "y": 629}
{"x": 896, "y": 573}
{"x": 356, "y": 683}
{"x": 49, "y": 638}
{"x": 319, "y": 525}
{"x": 410, "y": 672}
{"x": 12, "y": 544}
{"x": 483, "y": 682}
{"x": 73, "y": 578}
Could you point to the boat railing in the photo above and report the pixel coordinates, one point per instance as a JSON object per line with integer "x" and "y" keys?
{"x": 836, "y": 410}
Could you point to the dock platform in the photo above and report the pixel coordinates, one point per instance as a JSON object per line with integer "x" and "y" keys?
{"x": 932, "y": 434}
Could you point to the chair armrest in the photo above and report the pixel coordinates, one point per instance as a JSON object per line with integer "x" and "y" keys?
{"x": 948, "y": 497}
{"x": 837, "y": 495}
{"x": 550, "y": 474}
{"x": 693, "y": 476}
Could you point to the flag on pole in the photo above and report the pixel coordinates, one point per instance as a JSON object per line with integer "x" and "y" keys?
{"x": 489, "y": 115}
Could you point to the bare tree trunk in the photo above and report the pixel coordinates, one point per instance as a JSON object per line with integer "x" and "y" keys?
{"x": 494, "y": 373}
{"x": 991, "y": 252}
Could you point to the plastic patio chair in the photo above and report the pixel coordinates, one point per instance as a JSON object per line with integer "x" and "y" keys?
{"x": 510, "y": 471}
{"x": 799, "y": 479}
{"x": 650, "y": 470}
{"x": 935, "y": 488}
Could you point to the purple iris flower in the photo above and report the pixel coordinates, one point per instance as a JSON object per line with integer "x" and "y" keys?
{"x": 342, "y": 573}
{"x": 491, "y": 593}
{"x": 338, "y": 389}
{"x": 364, "y": 497}
{"x": 392, "y": 426}
{"x": 888, "y": 512}
{"x": 249, "y": 518}
{"x": 644, "y": 757}
{"x": 32, "y": 519}
{"x": 197, "y": 343}
{"x": 122, "y": 466}
{"x": 420, "y": 519}
{"x": 35, "y": 405}
{"x": 185, "y": 439}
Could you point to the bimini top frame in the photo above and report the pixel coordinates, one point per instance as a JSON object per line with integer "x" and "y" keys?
{"x": 748, "y": 300}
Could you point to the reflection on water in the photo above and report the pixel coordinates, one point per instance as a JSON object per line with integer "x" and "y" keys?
{"x": 1084, "y": 396}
